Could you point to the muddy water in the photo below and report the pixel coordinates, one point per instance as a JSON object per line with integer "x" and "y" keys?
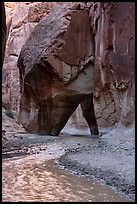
{"x": 35, "y": 178}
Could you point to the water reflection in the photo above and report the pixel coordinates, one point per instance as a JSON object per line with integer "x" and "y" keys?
{"x": 33, "y": 178}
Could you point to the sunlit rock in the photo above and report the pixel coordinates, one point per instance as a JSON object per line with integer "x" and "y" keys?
{"x": 21, "y": 18}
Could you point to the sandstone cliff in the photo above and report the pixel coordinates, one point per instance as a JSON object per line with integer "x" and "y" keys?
{"x": 56, "y": 72}
{"x": 110, "y": 49}
{"x": 3, "y": 32}
{"x": 21, "y": 18}
{"x": 114, "y": 88}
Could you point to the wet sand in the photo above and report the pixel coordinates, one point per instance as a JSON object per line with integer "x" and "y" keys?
{"x": 28, "y": 170}
{"x": 37, "y": 178}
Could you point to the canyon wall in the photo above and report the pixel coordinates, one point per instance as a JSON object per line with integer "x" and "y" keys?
{"x": 3, "y": 32}
{"x": 112, "y": 27}
{"x": 21, "y": 18}
{"x": 114, "y": 88}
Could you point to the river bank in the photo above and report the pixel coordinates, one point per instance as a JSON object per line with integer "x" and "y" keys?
{"x": 109, "y": 159}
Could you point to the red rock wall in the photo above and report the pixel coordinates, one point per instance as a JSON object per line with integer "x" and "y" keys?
{"x": 113, "y": 27}
{"x": 114, "y": 30}
{"x": 3, "y": 32}
{"x": 21, "y": 18}
{"x": 56, "y": 62}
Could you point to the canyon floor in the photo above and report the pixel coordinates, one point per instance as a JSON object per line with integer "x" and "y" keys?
{"x": 109, "y": 159}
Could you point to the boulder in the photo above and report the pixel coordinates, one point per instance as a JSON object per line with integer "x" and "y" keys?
{"x": 56, "y": 66}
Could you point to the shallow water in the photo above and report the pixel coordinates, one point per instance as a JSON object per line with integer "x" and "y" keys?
{"x": 37, "y": 178}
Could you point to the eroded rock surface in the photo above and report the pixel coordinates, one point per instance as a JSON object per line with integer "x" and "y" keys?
{"x": 21, "y": 18}
{"x": 3, "y": 32}
{"x": 114, "y": 90}
{"x": 56, "y": 71}
{"x": 112, "y": 33}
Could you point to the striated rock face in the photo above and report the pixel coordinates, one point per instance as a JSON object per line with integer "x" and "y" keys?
{"x": 114, "y": 90}
{"x": 108, "y": 47}
{"x": 9, "y": 8}
{"x": 21, "y": 18}
{"x": 56, "y": 70}
{"x": 3, "y": 32}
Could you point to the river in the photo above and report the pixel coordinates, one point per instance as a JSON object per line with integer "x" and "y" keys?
{"x": 38, "y": 178}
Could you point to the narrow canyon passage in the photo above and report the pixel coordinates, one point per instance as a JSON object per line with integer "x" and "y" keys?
{"x": 68, "y": 75}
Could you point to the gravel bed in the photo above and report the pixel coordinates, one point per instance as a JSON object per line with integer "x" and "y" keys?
{"x": 110, "y": 160}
